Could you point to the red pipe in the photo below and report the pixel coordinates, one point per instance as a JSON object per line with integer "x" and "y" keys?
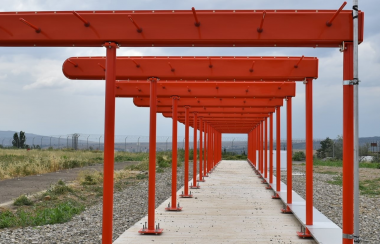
{"x": 205, "y": 150}
{"x": 195, "y": 150}
{"x": 278, "y": 150}
{"x": 329, "y": 23}
{"x": 348, "y": 144}
{"x": 200, "y": 150}
{"x": 262, "y": 147}
{"x": 289, "y": 152}
{"x": 109, "y": 143}
{"x": 174, "y": 151}
{"x": 309, "y": 151}
{"x": 187, "y": 121}
{"x": 266, "y": 148}
{"x": 271, "y": 149}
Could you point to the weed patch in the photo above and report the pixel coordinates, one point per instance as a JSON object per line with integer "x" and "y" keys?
{"x": 22, "y": 201}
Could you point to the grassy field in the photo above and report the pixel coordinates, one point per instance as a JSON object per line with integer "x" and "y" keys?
{"x": 20, "y": 162}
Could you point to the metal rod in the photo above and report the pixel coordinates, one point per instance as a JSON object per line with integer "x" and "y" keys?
{"x": 174, "y": 150}
{"x": 278, "y": 149}
{"x": 197, "y": 23}
{"x": 200, "y": 149}
{"x": 137, "y": 64}
{"x": 37, "y": 29}
{"x": 152, "y": 153}
{"x": 71, "y": 62}
{"x": 109, "y": 142}
{"x": 187, "y": 121}
{"x": 86, "y": 23}
{"x": 309, "y": 151}
{"x": 253, "y": 64}
{"x": 205, "y": 148}
{"x": 289, "y": 158}
{"x": 329, "y": 23}
{"x": 195, "y": 150}
{"x": 171, "y": 67}
{"x": 260, "y": 29}
{"x": 139, "y": 30}
{"x": 266, "y": 148}
{"x": 356, "y": 121}
{"x": 299, "y": 61}
{"x": 271, "y": 149}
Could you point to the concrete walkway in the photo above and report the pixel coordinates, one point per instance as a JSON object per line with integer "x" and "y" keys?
{"x": 232, "y": 206}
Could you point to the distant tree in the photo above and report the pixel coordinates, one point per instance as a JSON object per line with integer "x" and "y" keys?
{"x": 16, "y": 140}
{"x": 364, "y": 150}
{"x": 19, "y": 140}
{"x": 326, "y": 149}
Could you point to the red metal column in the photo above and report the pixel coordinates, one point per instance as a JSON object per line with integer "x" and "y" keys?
{"x": 109, "y": 143}
{"x": 209, "y": 151}
{"x": 186, "y": 194}
{"x": 262, "y": 147}
{"x": 249, "y": 146}
{"x": 254, "y": 143}
{"x": 266, "y": 149}
{"x": 174, "y": 206}
{"x": 278, "y": 153}
{"x": 195, "y": 142}
{"x": 309, "y": 156}
{"x": 205, "y": 150}
{"x": 200, "y": 150}
{"x": 289, "y": 155}
{"x": 348, "y": 145}
{"x": 152, "y": 162}
{"x": 271, "y": 149}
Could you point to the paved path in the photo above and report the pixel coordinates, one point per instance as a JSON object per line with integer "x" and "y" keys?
{"x": 13, "y": 188}
{"x": 232, "y": 206}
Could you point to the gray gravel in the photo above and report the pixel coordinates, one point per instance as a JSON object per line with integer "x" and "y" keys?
{"x": 328, "y": 200}
{"x": 130, "y": 206}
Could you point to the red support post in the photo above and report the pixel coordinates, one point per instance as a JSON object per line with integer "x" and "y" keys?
{"x": 195, "y": 142}
{"x": 266, "y": 148}
{"x": 109, "y": 143}
{"x": 186, "y": 194}
{"x": 271, "y": 149}
{"x": 205, "y": 161}
{"x": 254, "y": 144}
{"x": 278, "y": 153}
{"x": 174, "y": 206}
{"x": 209, "y": 150}
{"x": 262, "y": 147}
{"x": 289, "y": 156}
{"x": 152, "y": 229}
{"x": 348, "y": 144}
{"x": 200, "y": 150}
{"x": 309, "y": 157}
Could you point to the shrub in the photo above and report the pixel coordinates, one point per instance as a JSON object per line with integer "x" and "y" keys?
{"x": 22, "y": 201}
{"x": 299, "y": 156}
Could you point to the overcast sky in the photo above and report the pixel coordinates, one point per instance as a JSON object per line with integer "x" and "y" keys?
{"x": 36, "y": 97}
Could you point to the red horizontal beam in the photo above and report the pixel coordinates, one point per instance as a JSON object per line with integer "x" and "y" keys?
{"x": 217, "y": 110}
{"x": 224, "y": 28}
{"x": 212, "y": 102}
{"x": 221, "y": 115}
{"x": 195, "y": 68}
{"x": 207, "y": 89}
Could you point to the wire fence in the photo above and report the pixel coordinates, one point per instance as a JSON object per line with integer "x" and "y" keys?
{"x": 136, "y": 143}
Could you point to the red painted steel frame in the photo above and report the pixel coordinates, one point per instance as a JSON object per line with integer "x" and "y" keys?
{"x": 282, "y": 28}
{"x": 194, "y": 185}
{"x": 109, "y": 139}
{"x": 278, "y": 151}
{"x": 261, "y": 146}
{"x": 213, "y": 102}
{"x": 219, "y": 110}
{"x": 195, "y": 68}
{"x": 207, "y": 89}
{"x": 271, "y": 149}
{"x": 205, "y": 149}
{"x": 266, "y": 148}
{"x": 348, "y": 145}
{"x": 289, "y": 156}
{"x": 174, "y": 206}
{"x": 200, "y": 150}
{"x": 186, "y": 177}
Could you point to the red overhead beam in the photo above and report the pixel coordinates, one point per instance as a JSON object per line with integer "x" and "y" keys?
{"x": 217, "y": 110}
{"x": 207, "y": 89}
{"x": 155, "y": 28}
{"x": 195, "y": 68}
{"x": 221, "y": 115}
{"x": 212, "y": 102}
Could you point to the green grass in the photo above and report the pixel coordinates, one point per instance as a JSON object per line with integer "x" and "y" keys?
{"x": 370, "y": 187}
{"x": 142, "y": 166}
{"x": 60, "y": 213}
{"x": 22, "y": 201}
{"x": 339, "y": 163}
{"x": 337, "y": 180}
{"x": 327, "y": 172}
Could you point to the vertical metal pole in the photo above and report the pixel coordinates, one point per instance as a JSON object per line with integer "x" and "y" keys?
{"x": 254, "y": 143}
{"x": 278, "y": 149}
{"x": 262, "y": 147}
{"x": 289, "y": 152}
{"x": 356, "y": 120}
{"x": 309, "y": 151}
{"x": 200, "y": 149}
{"x": 195, "y": 151}
{"x": 205, "y": 149}
{"x": 348, "y": 145}
{"x": 266, "y": 148}
{"x": 209, "y": 151}
{"x": 152, "y": 154}
{"x": 187, "y": 120}
{"x": 109, "y": 142}
{"x": 174, "y": 152}
{"x": 271, "y": 148}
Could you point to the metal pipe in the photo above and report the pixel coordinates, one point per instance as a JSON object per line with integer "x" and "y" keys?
{"x": 195, "y": 151}
{"x": 309, "y": 151}
{"x": 200, "y": 150}
{"x": 187, "y": 121}
{"x": 41, "y": 142}
{"x": 278, "y": 149}
{"x": 59, "y": 138}
{"x": 109, "y": 142}
{"x": 125, "y": 142}
{"x": 266, "y": 148}
{"x": 356, "y": 121}
{"x": 174, "y": 151}
{"x": 205, "y": 149}
{"x": 289, "y": 153}
{"x": 166, "y": 144}
{"x": 152, "y": 154}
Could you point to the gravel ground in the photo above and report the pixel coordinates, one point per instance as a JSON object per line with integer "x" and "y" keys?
{"x": 130, "y": 206}
{"x": 328, "y": 200}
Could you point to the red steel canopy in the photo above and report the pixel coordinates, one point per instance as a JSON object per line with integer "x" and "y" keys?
{"x": 206, "y": 89}
{"x": 217, "y": 110}
{"x": 195, "y": 68}
{"x": 179, "y": 28}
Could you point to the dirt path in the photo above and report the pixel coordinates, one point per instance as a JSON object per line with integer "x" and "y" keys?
{"x": 13, "y": 188}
